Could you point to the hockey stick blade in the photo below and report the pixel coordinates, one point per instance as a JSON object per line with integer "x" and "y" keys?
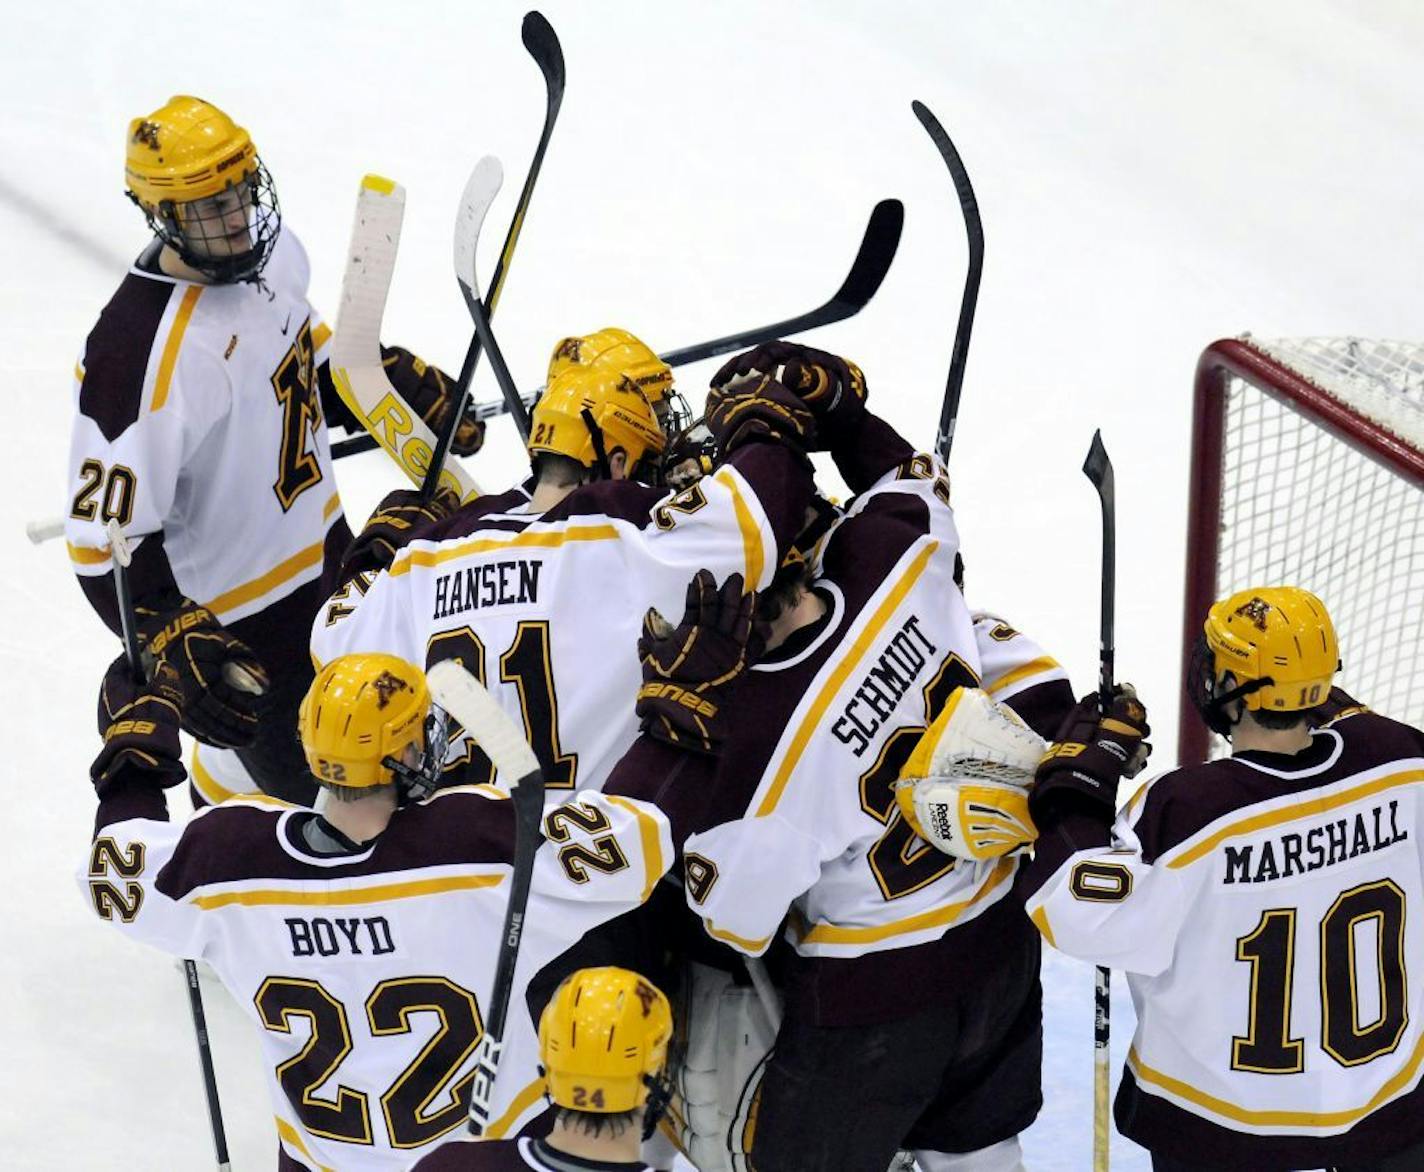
{"x": 1098, "y": 468}
{"x": 867, "y": 272}
{"x": 469, "y": 702}
{"x": 356, "y": 367}
{"x": 969, "y": 300}
{"x": 481, "y": 188}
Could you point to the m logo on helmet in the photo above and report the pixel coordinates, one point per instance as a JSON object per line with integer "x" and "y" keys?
{"x": 387, "y": 685}
{"x": 147, "y": 133}
{"x": 1255, "y": 611}
{"x": 647, "y": 995}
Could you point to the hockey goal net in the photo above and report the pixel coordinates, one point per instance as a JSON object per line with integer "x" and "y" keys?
{"x": 1308, "y": 470}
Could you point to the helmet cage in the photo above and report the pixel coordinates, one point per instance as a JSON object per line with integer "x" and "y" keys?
{"x": 416, "y": 782}
{"x": 197, "y": 229}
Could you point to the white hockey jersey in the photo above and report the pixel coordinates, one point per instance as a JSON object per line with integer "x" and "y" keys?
{"x": 366, "y": 972}
{"x": 1264, "y": 908}
{"x": 821, "y": 728}
{"x": 198, "y": 415}
{"x": 546, "y": 609}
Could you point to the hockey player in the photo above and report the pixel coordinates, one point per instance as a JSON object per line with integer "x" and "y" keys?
{"x": 359, "y": 939}
{"x": 544, "y": 601}
{"x": 911, "y": 1003}
{"x": 603, "y": 1043}
{"x": 1259, "y": 905}
{"x": 202, "y": 403}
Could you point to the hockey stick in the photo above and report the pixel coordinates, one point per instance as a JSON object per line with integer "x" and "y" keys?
{"x": 119, "y": 546}
{"x": 466, "y": 700}
{"x": 543, "y": 45}
{"x": 974, "y": 230}
{"x": 872, "y": 261}
{"x": 1098, "y": 468}
{"x": 480, "y": 191}
{"x": 356, "y": 367}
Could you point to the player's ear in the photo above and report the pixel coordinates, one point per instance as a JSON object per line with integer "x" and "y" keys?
{"x": 618, "y": 464}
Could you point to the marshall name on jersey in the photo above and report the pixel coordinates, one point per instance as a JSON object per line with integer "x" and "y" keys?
{"x": 546, "y": 609}
{"x": 1266, "y": 911}
{"x": 364, "y": 970}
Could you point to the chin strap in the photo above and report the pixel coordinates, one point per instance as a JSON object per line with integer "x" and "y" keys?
{"x": 1215, "y": 713}
{"x": 656, "y": 1105}
{"x": 600, "y": 453}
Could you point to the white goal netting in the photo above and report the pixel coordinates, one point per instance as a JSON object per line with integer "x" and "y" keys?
{"x": 1303, "y": 504}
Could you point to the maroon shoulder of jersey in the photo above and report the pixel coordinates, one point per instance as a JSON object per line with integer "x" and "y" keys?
{"x": 237, "y": 842}
{"x": 116, "y": 352}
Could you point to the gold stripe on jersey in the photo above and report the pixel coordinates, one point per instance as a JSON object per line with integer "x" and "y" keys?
{"x": 206, "y": 784}
{"x": 939, "y": 917}
{"x": 844, "y": 668}
{"x": 1040, "y": 921}
{"x": 521, "y": 1102}
{"x": 321, "y": 335}
{"x": 78, "y": 373}
{"x": 732, "y": 938}
{"x": 1301, "y": 807}
{"x": 87, "y": 555}
{"x": 652, "y": 848}
{"x": 281, "y": 572}
{"x": 331, "y": 506}
{"x": 173, "y": 345}
{"x": 753, "y": 552}
{"x": 1276, "y": 1118}
{"x": 543, "y": 539}
{"x": 293, "y": 1138}
{"x": 378, "y": 893}
{"x": 1043, "y": 663}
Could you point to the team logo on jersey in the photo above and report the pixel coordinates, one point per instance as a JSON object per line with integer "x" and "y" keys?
{"x": 147, "y": 133}
{"x": 1255, "y": 611}
{"x": 387, "y": 685}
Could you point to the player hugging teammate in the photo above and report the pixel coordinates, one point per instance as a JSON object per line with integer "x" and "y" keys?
{"x": 789, "y": 776}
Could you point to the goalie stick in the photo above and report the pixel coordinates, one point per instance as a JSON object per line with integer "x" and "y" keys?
{"x": 1098, "y": 468}
{"x": 466, "y": 700}
{"x": 878, "y": 246}
{"x": 119, "y": 546}
{"x": 974, "y": 230}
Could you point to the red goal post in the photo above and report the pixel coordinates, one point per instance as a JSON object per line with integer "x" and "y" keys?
{"x": 1307, "y": 469}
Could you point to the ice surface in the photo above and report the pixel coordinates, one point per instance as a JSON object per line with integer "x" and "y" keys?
{"x": 1152, "y": 177}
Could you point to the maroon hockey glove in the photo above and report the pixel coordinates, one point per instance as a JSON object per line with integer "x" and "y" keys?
{"x": 140, "y": 729}
{"x": 220, "y": 680}
{"x": 687, "y": 668}
{"x": 757, "y": 408}
{"x": 431, "y": 392}
{"x": 833, "y": 387}
{"x": 399, "y": 517}
{"x": 1092, "y": 752}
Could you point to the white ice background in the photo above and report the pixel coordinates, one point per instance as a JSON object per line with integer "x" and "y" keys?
{"x": 1153, "y": 175}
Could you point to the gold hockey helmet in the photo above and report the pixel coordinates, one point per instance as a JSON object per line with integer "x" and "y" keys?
{"x": 612, "y": 346}
{"x": 1277, "y": 643}
{"x": 359, "y": 711}
{"x": 603, "y": 1040}
{"x": 202, "y": 187}
{"x": 620, "y": 417}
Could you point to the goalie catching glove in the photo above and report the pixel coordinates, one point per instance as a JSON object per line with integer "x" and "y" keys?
{"x": 964, "y": 789}
{"x": 431, "y": 393}
{"x": 686, "y": 668}
{"x": 1093, "y": 752}
{"x": 219, "y": 679}
{"x": 140, "y": 729}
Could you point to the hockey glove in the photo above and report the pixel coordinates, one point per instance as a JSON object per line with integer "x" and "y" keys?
{"x": 140, "y": 729}
{"x": 757, "y": 408}
{"x": 431, "y": 392}
{"x": 832, "y": 387}
{"x": 220, "y": 680}
{"x": 688, "y": 668}
{"x": 1094, "y": 750}
{"x": 398, "y": 518}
